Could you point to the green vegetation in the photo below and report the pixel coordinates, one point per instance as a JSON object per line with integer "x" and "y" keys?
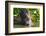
{"x": 34, "y": 12}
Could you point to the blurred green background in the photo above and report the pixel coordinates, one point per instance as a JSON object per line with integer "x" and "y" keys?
{"x": 35, "y": 16}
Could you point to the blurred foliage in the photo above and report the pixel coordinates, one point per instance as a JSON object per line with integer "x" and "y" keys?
{"x": 34, "y": 12}
{"x": 35, "y": 16}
